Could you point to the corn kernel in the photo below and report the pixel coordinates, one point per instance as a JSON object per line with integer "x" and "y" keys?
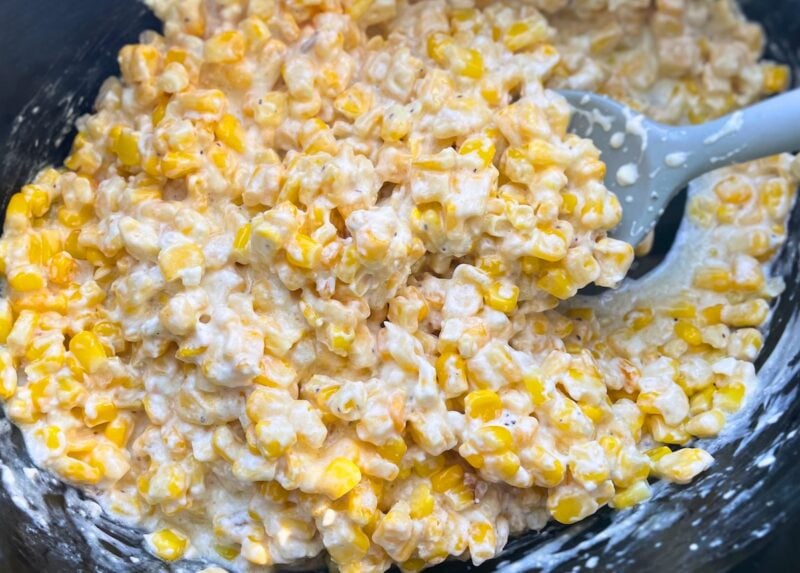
{"x": 689, "y": 333}
{"x": 638, "y": 493}
{"x": 177, "y": 164}
{"x": 451, "y": 373}
{"x": 230, "y": 132}
{"x": 303, "y": 252}
{"x": 571, "y": 507}
{"x": 168, "y": 544}
{"x": 118, "y": 430}
{"x": 182, "y": 261}
{"x": 682, "y": 309}
{"x": 394, "y": 450}
{"x": 76, "y": 471}
{"x": 729, "y": 398}
{"x": 27, "y": 278}
{"x": 532, "y": 380}
{"x": 86, "y": 347}
{"x": 483, "y": 404}
{"x": 557, "y": 283}
{"x": 6, "y": 320}
{"x": 502, "y": 297}
{"x": 776, "y": 78}
{"x": 494, "y": 438}
{"x": 341, "y": 476}
{"x": 226, "y": 47}
{"x": 421, "y": 501}
{"x": 125, "y": 145}
{"x": 448, "y": 478}
{"x": 683, "y": 465}
{"x": 99, "y": 411}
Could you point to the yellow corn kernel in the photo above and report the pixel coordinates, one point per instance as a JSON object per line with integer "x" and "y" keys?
{"x": 256, "y": 32}
{"x": 394, "y": 450}
{"x": 242, "y": 238}
{"x": 571, "y": 507}
{"x": 494, "y": 438}
{"x": 482, "y": 532}
{"x": 158, "y": 113}
{"x": 532, "y": 380}
{"x": 483, "y": 404}
{"x": 177, "y": 164}
{"x": 483, "y": 147}
{"x": 227, "y": 552}
{"x": 271, "y": 109}
{"x": 502, "y": 297}
{"x": 41, "y": 301}
{"x": 52, "y": 437}
{"x": 86, "y": 347}
{"x": 125, "y": 145}
{"x": 701, "y": 401}
{"x": 27, "y": 278}
{"x": 682, "y": 309}
{"x": 339, "y": 477}
{"x": 303, "y": 252}
{"x": 492, "y": 265}
{"x": 224, "y": 48}
{"x": 18, "y": 212}
{"x": 447, "y": 479}
{"x": 76, "y": 471}
{"x": 776, "y": 78}
{"x": 350, "y": 550}
{"x": 729, "y": 398}
{"x": 773, "y": 195}
{"x": 717, "y": 279}
{"x": 443, "y": 161}
{"x": 73, "y": 246}
{"x": 207, "y": 102}
{"x": 557, "y": 283}
{"x": 421, "y": 501}
{"x": 712, "y": 314}
{"x": 525, "y": 34}
{"x": 118, "y": 430}
{"x": 451, "y": 372}
{"x": 664, "y": 433}
{"x": 21, "y": 411}
{"x": 438, "y": 46}
{"x": 74, "y": 219}
{"x": 638, "y": 493}
{"x": 683, "y": 465}
{"x": 429, "y": 466}
{"x": 38, "y": 199}
{"x": 688, "y": 332}
{"x": 706, "y": 424}
{"x": 468, "y": 62}
{"x": 230, "y": 132}
{"x": 569, "y": 204}
{"x": 100, "y": 411}
{"x": 354, "y": 101}
{"x": 595, "y": 413}
{"x": 62, "y": 269}
{"x": 6, "y": 319}
{"x": 169, "y": 544}
{"x": 751, "y": 313}
{"x": 657, "y": 453}
{"x": 181, "y": 261}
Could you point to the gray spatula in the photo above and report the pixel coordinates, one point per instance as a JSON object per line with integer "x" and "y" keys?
{"x": 648, "y": 163}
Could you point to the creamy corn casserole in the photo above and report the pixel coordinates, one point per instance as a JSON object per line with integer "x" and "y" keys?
{"x": 303, "y": 284}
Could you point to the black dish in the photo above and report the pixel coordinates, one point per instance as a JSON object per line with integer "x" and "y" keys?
{"x": 53, "y": 57}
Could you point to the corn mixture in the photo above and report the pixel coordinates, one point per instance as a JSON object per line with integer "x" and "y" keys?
{"x": 299, "y": 285}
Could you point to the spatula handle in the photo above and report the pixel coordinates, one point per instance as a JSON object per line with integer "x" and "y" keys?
{"x": 761, "y": 130}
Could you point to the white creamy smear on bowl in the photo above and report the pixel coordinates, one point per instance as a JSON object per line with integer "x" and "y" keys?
{"x": 628, "y": 174}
